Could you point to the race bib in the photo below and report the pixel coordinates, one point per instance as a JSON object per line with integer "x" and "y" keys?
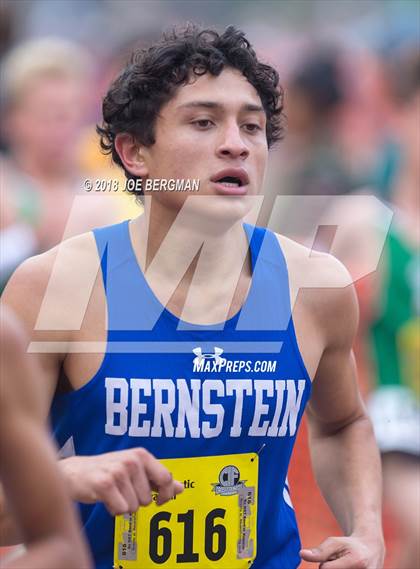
{"x": 213, "y": 523}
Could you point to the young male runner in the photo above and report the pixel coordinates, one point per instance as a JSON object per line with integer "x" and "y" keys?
{"x": 194, "y": 356}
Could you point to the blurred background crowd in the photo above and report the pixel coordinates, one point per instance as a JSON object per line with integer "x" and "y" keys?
{"x": 351, "y": 73}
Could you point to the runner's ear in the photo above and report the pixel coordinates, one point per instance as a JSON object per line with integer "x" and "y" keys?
{"x": 131, "y": 154}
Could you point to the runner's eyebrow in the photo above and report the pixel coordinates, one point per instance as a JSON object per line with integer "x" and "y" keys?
{"x": 218, "y": 106}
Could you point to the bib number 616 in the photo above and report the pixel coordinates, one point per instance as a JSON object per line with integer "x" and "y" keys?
{"x": 160, "y": 544}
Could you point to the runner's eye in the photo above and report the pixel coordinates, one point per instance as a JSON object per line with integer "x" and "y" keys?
{"x": 252, "y": 127}
{"x": 203, "y": 124}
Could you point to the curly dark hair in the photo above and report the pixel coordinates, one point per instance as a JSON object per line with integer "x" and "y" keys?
{"x": 153, "y": 74}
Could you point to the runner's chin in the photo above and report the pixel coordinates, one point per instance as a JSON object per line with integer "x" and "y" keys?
{"x": 225, "y": 208}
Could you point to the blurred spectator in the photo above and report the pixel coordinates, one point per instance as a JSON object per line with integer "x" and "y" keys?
{"x": 45, "y": 96}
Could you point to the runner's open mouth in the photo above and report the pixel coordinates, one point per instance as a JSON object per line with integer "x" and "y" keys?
{"x": 230, "y": 181}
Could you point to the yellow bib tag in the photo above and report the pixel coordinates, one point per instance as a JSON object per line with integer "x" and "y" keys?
{"x": 213, "y": 523}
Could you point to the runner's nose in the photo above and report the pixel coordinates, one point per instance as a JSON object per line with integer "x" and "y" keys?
{"x": 232, "y": 143}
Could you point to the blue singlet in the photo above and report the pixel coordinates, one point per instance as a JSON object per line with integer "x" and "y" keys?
{"x": 256, "y": 399}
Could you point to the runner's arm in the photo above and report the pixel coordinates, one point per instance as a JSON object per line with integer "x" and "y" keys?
{"x": 344, "y": 453}
{"x": 32, "y": 483}
{"x": 23, "y": 295}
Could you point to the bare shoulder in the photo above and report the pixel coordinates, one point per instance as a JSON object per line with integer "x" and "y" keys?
{"x": 314, "y": 268}
{"x": 323, "y": 284}
{"x": 61, "y": 271}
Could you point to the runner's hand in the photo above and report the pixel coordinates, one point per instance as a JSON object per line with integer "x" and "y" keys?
{"x": 122, "y": 480}
{"x": 352, "y": 552}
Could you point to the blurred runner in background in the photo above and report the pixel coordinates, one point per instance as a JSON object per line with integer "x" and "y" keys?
{"x": 42, "y": 509}
{"x": 395, "y": 326}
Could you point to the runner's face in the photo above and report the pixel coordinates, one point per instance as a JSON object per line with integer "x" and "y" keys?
{"x": 210, "y": 125}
